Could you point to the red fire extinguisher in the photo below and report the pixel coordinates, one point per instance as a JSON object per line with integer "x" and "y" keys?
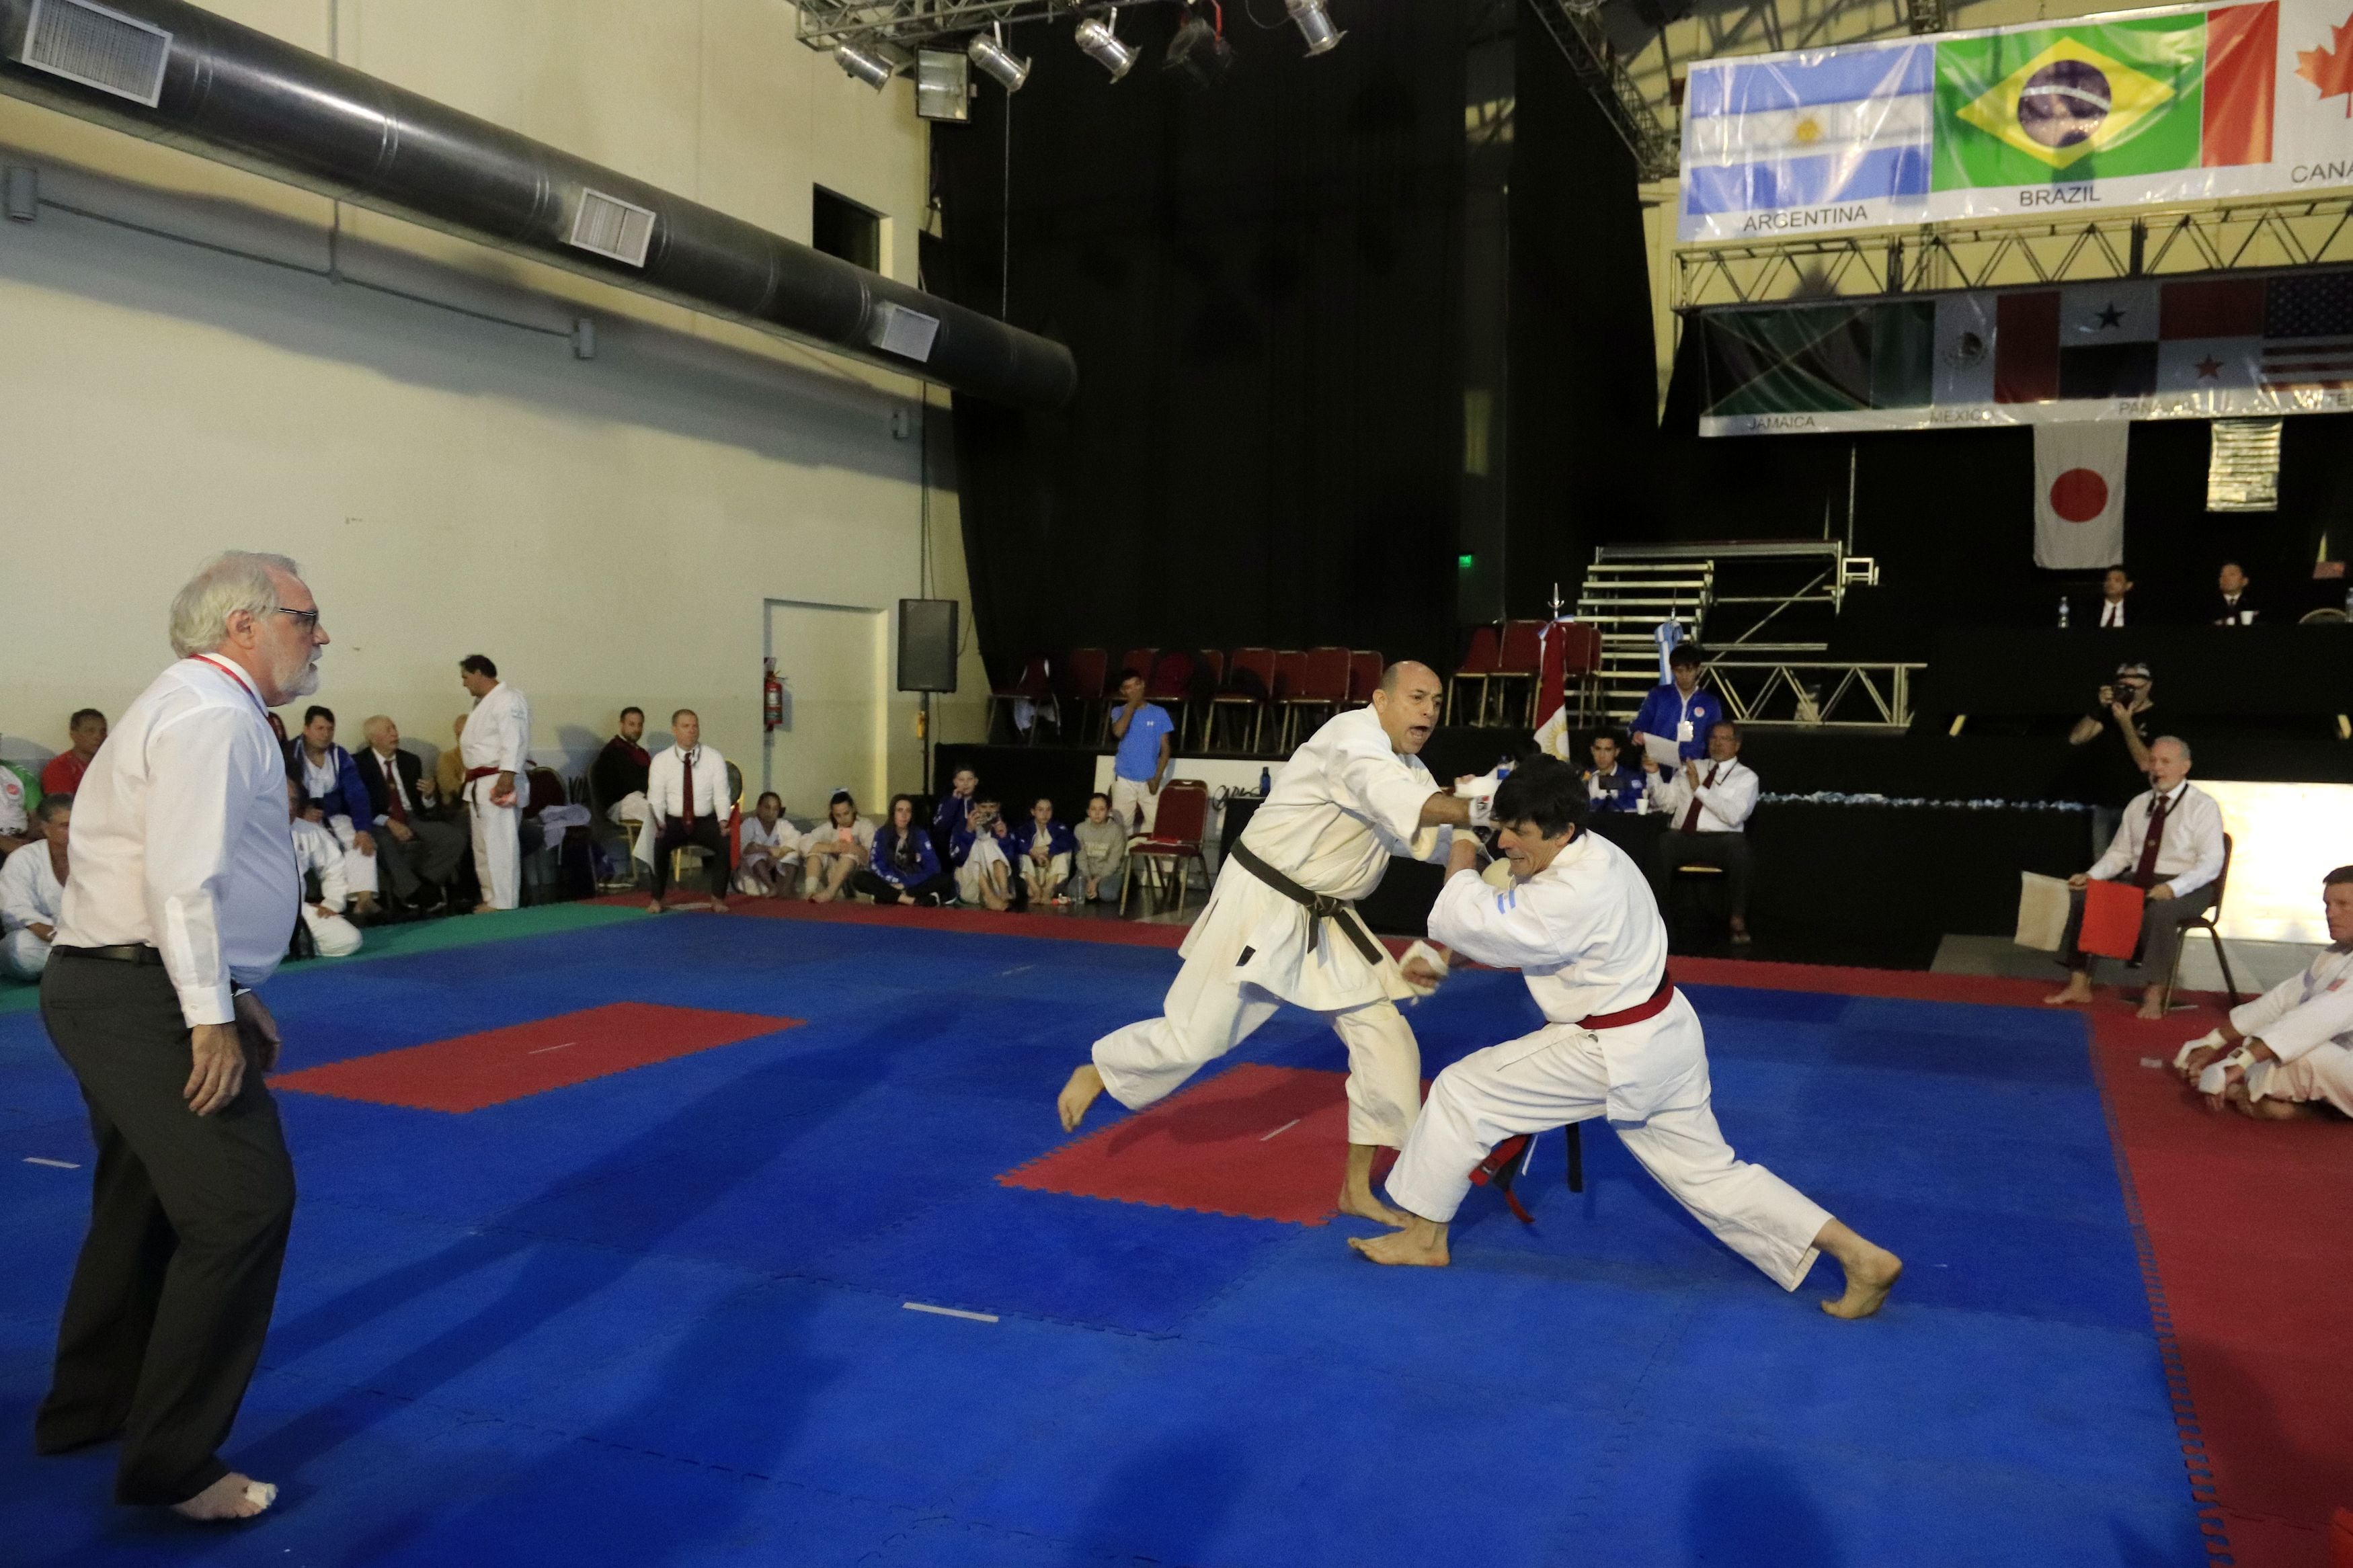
{"x": 771, "y": 698}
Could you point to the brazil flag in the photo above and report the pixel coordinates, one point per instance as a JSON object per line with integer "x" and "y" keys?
{"x": 2088, "y": 102}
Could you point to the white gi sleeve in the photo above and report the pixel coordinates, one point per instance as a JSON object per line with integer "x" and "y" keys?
{"x": 197, "y": 776}
{"x": 514, "y": 736}
{"x": 2251, "y": 1017}
{"x": 2208, "y": 826}
{"x": 334, "y": 888}
{"x": 2314, "y": 1023}
{"x": 1382, "y": 792}
{"x": 1508, "y": 930}
{"x": 20, "y": 882}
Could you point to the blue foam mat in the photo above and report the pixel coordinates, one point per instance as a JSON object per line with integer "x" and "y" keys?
{"x": 658, "y": 1317}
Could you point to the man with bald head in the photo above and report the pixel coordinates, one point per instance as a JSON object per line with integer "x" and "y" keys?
{"x": 1282, "y": 927}
{"x": 418, "y": 849}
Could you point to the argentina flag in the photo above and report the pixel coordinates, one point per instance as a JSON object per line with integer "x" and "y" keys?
{"x": 1832, "y": 140}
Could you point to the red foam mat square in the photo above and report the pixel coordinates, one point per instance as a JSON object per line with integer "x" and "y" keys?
{"x": 471, "y": 1071}
{"x": 1258, "y": 1142}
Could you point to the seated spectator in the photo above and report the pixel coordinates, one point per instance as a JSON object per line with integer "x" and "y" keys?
{"x": 2235, "y": 603}
{"x": 2288, "y": 1053}
{"x": 32, "y": 884}
{"x": 768, "y": 851}
{"x": 450, "y": 775}
{"x": 1047, "y": 847}
{"x": 1709, "y": 812}
{"x": 335, "y": 799}
{"x": 686, "y": 792}
{"x": 2169, "y": 846}
{"x": 1607, "y": 786}
{"x": 2115, "y": 767}
{"x": 16, "y": 824}
{"x": 1100, "y": 866}
{"x": 1679, "y": 711}
{"x": 902, "y": 864}
{"x": 415, "y": 850}
{"x": 949, "y": 815}
{"x": 977, "y": 850}
{"x": 317, "y": 854}
{"x": 2116, "y": 587}
{"x": 835, "y": 848}
{"x": 617, "y": 781}
{"x": 87, "y": 732}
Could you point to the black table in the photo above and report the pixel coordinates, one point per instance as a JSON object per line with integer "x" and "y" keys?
{"x": 2196, "y": 672}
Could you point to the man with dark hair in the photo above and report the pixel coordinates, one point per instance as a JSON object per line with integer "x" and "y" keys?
{"x": 1678, "y": 710}
{"x": 1709, "y": 812}
{"x": 617, "y": 781}
{"x": 2295, "y": 1042}
{"x": 495, "y": 746}
{"x": 32, "y": 888}
{"x": 1609, "y": 786}
{"x": 87, "y": 732}
{"x": 2115, "y": 588}
{"x": 2235, "y": 603}
{"x": 335, "y": 799}
{"x": 1579, "y": 924}
{"x": 1146, "y": 737}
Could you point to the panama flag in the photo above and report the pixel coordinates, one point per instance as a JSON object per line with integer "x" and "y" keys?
{"x": 2141, "y": 96}
{"x": 1765, "y": 141}
{"x": 2079, "y": 495}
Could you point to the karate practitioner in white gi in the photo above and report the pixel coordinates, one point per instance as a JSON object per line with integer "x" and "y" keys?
{"x": 2291, "y": 1048}
{"x": 1352, "y": 797}
{"x": 495, "y": 744}
{"x": 1580, "y": 924}
{"x": 33, "y": 889}
{"x": 315, "y": 849}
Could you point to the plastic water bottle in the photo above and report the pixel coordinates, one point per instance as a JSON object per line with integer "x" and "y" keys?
{"x": 2062, "y": 612}
{"x": 2348, "y": 602}
{"x": 1265, "y": 782}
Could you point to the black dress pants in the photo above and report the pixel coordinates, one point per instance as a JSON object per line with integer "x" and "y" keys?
{"x": 172, "y": 1297}
{"x": 709, "y": 833}
{"x": 1728, "y": 851}
{"x": 936, "y": 890}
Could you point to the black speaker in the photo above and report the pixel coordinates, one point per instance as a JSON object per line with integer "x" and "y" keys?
{"x": 927, "y": 645}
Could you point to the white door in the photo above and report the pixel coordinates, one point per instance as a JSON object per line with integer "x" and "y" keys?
{"x": 833, "y": 660}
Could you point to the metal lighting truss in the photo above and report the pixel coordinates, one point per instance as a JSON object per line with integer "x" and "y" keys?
{"x": 2224, "y": 237}
{"x": 910, "y": 24}
{"x": 1812, "y": 694}
{"x": 1576, "y": 29}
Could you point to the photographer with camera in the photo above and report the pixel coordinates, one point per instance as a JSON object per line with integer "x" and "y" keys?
{"x": 983, "y": 872}
{"x": 2117, "y": 732}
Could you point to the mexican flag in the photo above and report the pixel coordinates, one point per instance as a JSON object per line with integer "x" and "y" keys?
{"x": 2105, "y": 100}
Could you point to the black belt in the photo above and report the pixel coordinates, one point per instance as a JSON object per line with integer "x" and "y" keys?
{"x": 1321, "y": 906}
{"x": 124, "y": 953}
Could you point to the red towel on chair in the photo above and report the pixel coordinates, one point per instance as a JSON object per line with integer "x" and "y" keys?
{"x": 2110, "y": 918}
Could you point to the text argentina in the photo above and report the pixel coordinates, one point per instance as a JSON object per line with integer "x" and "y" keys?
{"x": 1810, "y": 217}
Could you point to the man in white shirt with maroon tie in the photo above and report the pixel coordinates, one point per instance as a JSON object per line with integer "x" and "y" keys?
{"x": 686, "y": 790}
{"x": 183, "y": 896}
{"x": 1709, "y": 808}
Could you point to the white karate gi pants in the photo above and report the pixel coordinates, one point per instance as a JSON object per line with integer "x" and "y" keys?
{"x": 334, "y": 936}
{"x": 1129, "y": 796}
{"x": 1558, "y": 1076}
{"x": 23, "y": 955}
{"x": 1035, "y": 876}
{"x": 1208, "y": 1013}
{"x": 972, "y": 876}
{"x": 2324, "y": 1072}
{"x": 498, "y": 842}
{"x": 359, "y": 870}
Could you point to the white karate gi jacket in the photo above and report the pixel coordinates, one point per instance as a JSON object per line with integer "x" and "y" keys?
{"x": 29, "y": 890}
{"x": 2314, "y": 1008}
{"x": 783, "y": 843}
{"x": 498, "y": 735}
{"x": 315, "y": 849}
{"x": 1343, "y": 803}
{"x": 1584, "y": 934}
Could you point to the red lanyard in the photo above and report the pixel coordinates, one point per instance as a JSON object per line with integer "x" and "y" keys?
{"x": 232, "y": 672}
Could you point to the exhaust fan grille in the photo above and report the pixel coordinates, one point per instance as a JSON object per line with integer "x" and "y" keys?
{"x": 99, "y": 47}
{"x": 611, "y": 226}
{"x": 908, "y": 333}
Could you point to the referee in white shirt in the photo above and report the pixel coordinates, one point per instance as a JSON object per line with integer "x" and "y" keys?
{"x": 686, "y": 790}
{"x": 182, "y": 896}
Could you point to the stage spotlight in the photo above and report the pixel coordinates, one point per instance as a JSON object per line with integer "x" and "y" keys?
{"x": 865, "y": 67}
{"x": 1005, "y": 67}
{"x": 1314, "y": 25}
{"x": 1200, "y": 51}
{"x": 1102, "y": 46}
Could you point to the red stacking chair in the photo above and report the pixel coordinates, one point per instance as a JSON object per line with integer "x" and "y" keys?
{"x": 1081, "y": 687}
{"x": 1035, "y": 684}
{"x": 1365, "y": 666}
{"x": 1169, "y": 682}
{"x": 1209, "y": 679}
{"x": 1478, "y": 664}
{"x": 1138, "y": 659}
{"x": 1323, "y": 687}
{"x": 1519, "y": 661}
{"x": 1177, "y": 827}
{"x": 1581, "y": 668}
{"x": 1249, "y": 683}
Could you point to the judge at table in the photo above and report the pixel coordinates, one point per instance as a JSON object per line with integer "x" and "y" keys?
{"x": 2235, "y": 603}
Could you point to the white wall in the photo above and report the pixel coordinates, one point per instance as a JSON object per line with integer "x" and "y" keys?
{"x": 606, "y": 530}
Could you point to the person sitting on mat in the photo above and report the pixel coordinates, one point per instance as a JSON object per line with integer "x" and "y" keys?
{"x": 1101, "y": 862}
{"x": 902, "y": 864}
{"x": 2289, "y": 1053}
{"x": 1047, "y": 849}
{"x": 2171, "y": 846}
{"x": 768, "y": 851}
{"x": 1581, "y": 926}
{"x": 976, "y": 848}
{"x": 834, "y": 848}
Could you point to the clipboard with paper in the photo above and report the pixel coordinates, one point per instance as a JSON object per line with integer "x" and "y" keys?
{"x": 1664, "y": 751}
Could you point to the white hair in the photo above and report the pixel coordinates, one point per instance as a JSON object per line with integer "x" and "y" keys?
{"x": 232, "y": 581}
{"x": 2173, "y": 740}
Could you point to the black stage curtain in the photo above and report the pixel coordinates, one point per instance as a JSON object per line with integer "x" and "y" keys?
{"x": 1260, "y": 286}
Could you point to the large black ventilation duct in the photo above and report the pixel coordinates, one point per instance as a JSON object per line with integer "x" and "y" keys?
{"x": 173, "y": 73}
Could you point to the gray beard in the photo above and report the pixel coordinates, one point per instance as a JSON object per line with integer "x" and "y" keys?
{"x": 306, "y": 683}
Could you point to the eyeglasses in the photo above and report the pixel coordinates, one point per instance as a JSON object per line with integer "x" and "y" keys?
{"x": 306, "y": 620}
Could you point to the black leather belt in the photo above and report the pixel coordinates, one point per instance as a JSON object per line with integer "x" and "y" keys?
{"x": 1320, "y": 907}
{"x": 125, "y": 952}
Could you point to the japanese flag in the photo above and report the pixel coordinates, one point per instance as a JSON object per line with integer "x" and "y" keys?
{"x": 2079, "y": 494}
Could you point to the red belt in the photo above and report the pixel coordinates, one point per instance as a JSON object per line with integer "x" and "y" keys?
{"x": 1638, "y": 1013}
{"x": 473, "y": 773}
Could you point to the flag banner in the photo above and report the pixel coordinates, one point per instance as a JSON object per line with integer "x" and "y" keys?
{"x": 2243, "y": 347}
{"x": 2175, "y": 104}
{"x": 2079, "y": 495}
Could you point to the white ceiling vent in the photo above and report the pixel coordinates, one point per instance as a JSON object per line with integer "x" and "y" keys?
{"x": 896, "y": 329}
{"x": 611, "y": 226}
{"x": 98, "y": 47}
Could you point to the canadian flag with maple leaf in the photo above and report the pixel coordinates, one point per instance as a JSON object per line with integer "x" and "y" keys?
{"x": 2330, "y": 69}
{"x": 2312, "y": 124}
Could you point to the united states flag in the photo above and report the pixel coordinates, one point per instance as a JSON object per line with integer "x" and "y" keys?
{"x": 2308, "y": 332}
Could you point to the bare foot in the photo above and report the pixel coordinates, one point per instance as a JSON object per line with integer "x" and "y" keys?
{"x": 486, "y": 909}
{"x": 1360, "y": 1204}
{"x": 653, "y": 906}
{"x": 2078, "y": 993}
{"x": 231, "y": 1497}
{"x": 1420, "y": 1245}
{"x": 1871, "y": 1271}
{"x": 2152, "y": 1003}
{"x": 2266, "y": 1109}
{"x": 718, "y": 906}
{"x": 1077, "y": 1095}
